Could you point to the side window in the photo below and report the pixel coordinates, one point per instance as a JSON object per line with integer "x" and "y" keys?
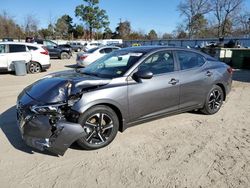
{"x": 32, "y": 48}
{"x": 2, "y": 49}
{"x": 106, "y": 50}
{"x": 189, "y": 60}
{"x": 114, "y": 49}
{"x": 13, "y": 48}
{"x": 159, "y": 63}
{"x": 49, "y": 44}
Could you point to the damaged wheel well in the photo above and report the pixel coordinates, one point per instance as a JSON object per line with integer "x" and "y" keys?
{"x": 118, "y": 113}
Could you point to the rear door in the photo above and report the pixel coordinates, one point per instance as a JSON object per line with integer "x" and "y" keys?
{"x": 17, "y": 52}
{"x": 195, "y": 80}
{"x": 158, "y": 95}
{"x": 3, "y": 57}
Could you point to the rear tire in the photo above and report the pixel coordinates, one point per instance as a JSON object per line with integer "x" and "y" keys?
{"x": 64, "y": 55}
{"x": 213, "y": 101}
{"x": 100, "y": 124}
{"x": 34, "y": 67}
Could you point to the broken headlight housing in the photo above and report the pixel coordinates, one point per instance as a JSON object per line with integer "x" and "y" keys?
{"x": 47, "y": 109}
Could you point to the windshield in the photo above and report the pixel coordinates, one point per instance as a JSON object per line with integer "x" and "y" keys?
{"x": 113, "y": 65}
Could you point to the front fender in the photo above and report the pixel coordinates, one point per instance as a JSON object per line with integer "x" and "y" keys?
{"x": 81, "y": 107}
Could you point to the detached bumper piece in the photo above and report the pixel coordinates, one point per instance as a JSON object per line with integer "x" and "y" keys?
{"x": 37, "y": 132}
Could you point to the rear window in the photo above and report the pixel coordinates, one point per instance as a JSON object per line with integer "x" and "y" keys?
{"x": 32, "y": 48}
{"x": 106, "y": 50}
{"x": 13, "y": 48}
{"x": 189, "y": 60}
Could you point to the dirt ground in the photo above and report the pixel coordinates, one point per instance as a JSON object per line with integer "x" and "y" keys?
{"x": 185, "y": 150}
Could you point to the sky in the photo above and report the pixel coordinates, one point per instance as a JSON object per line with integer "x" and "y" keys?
{"x": 144, "y": 15}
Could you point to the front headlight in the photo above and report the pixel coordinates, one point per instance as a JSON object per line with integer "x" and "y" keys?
{"x": 46, "y": 109}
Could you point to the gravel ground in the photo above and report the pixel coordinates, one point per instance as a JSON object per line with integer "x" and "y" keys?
{"x": 185, "y": 150}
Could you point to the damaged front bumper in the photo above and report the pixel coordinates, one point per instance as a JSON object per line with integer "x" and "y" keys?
{"x": 38, "y": 131}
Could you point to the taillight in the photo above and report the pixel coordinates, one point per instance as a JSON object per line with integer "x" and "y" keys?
{"x": 83, "y": 57}
{"x": 230, "y": 70}
{"x": 45, "y": 52}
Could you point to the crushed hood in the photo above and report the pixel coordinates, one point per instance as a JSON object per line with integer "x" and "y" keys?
{"x": 54, "y": 88}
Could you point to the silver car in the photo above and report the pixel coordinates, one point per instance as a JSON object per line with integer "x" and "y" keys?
{"x": 126, "y": 87}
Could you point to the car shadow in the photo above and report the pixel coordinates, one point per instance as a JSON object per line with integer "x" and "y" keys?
{"x": 9, "y": 73}
{"x": 12, "y": 133}
{"x": 241, "y": 75}
{"x": 74, "y": 66}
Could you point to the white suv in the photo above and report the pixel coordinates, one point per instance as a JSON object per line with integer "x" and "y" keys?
{"x": 36, "y": 56}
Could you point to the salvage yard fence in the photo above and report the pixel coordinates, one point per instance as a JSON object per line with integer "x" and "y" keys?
{"x": 244, "y": 42}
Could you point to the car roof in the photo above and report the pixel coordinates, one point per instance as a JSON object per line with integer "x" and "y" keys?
{"x": 148, "y": 49}
{"x": 22, "y": 43}
{"x": 102, "y": 47}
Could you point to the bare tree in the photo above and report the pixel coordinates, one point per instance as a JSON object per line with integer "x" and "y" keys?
{"x": 224, "y": 11}
{"x": 8, "y": 27}
{"x": 190, "y": 9}
{"x": 31, "y": 25}
{"x": 243, "y": 24}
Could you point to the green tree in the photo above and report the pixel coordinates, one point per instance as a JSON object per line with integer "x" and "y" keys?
{"x": 199, "y": 26}
{"x": 136, "y": 35}
{"x": 152, "y": 35}
{"x": 45, "y": 33}
{"x": 92, "y": 15}
{"x": 107, "y": 34}
{"x": 78, "y": 31}
{"x": 123, "y": 30}
{"x": 63, "y": 26}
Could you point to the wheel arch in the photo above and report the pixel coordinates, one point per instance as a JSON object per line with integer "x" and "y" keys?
{"x": 223, "y": 89}
{"x": 119, "y": 112}
{"x": 28, "y": 63}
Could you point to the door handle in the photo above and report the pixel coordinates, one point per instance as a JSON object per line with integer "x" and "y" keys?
{"x": 208, "y": 73}
{"x": 173, "y": 81}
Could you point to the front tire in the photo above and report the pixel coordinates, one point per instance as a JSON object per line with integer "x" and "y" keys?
{"x": 213, "y": 101}
{"x": 100, "y": 124}
{"x": 34, "y": 67}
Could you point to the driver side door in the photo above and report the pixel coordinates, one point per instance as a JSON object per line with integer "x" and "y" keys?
{"x": 52, "y": 48}
{"x": 158, "y": 95}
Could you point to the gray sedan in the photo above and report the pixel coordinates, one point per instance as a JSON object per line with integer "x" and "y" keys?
{"x": 126, "y": 87}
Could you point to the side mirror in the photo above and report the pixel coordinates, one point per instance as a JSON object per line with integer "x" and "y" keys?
{"x": 143, "y": 74}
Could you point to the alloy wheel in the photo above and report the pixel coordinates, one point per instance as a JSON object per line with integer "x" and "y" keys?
{"x": 34, "y": 67}
{"x": 215, "y": 100}
{"x": 98, "y": 128}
